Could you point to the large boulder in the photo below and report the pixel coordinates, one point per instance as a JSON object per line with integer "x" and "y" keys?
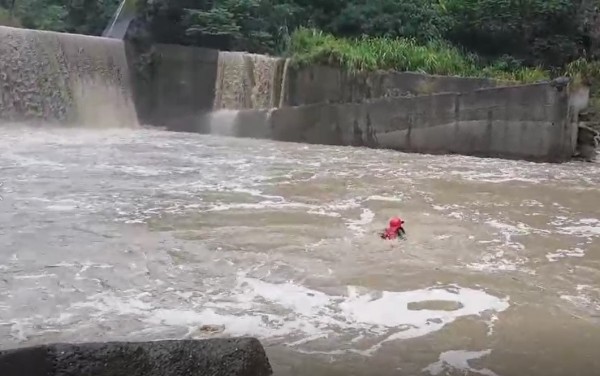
{"x": 215, "y": 357}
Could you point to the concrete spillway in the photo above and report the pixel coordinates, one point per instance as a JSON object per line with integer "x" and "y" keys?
{"x": 64, "y": 78}
{"x": 248, "y": 81}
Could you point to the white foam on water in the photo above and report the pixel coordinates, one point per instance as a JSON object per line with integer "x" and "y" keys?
{"x": 491, "y": 323}
{"x": 24, "y": 162}
{"x": 398, "y": 198}
{"x": 104, "y": 302}
{"x": 325, "y": 213}
{"x": 586, "y": 227}
{"x": 458, "y": 360}
{"x": 508, "y": 231}
{"x": 446, "y": 207}
{"x": 357, "y": 226}
{"x": 505, "y": 254}
{"x": 18, "y": 331}
{"x": 36, "y": 276}
{"x": 451, "y": 210}
{"x": 500, "y": 176}
{"x": 497, "y": 262}
{"x": 587, "y": 298}
{"x": 300, "y": 315}
{"x": 329, "y": 210}
{"x": 562, "y": 253}
{"x": 259, "y": 206}
{"x": 61, "y": 207}
{"x": 583, "y": 301}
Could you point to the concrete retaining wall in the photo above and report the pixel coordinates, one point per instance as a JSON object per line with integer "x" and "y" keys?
{"x": 399, "y": 110}
{"x": 320, "y": 84}
{"x": 522, "y": 122}
{"x": 179, "y": 87}
{"x": 215, "y": 357}
{"x": 181, "y": 84}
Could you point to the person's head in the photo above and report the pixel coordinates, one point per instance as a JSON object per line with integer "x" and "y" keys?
{"x": 396, "y": 223}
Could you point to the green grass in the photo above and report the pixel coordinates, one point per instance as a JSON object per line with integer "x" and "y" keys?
{"x": 309, "y": 47}
{"x": 584, "y": 72}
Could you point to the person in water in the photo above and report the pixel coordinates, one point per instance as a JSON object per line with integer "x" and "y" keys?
{"x": 394, "y": 230}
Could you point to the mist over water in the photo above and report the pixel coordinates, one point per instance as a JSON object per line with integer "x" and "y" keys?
{"x": 137, "y": 234}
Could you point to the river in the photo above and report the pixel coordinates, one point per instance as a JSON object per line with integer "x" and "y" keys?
{"x": 147, "y": 234}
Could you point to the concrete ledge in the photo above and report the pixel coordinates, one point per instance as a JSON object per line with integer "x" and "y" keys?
{"x": 322, "y": 84}
{"x": 519, "y": 122}
{"x": 215, "y": 357}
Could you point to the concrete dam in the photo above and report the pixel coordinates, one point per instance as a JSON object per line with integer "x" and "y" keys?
{"x": 73, "y": 78}
{"x": 248, "y": 95}
{"x": 64, "y": 79}
{"x": 137, "y": 240}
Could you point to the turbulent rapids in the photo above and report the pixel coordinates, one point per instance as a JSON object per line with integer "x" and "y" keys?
{"x": 138, "y": 234}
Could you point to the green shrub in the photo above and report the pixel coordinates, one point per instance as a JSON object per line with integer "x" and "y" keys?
{"x": 308, "y": 46}
{"x": 584, "y": 72}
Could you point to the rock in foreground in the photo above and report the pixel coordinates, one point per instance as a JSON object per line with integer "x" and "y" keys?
{"x": 215, "y": 357}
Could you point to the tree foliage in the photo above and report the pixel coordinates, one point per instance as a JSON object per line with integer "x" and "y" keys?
{"x": 530, "y": 32}
{"x": 545, "y": 32}
{"x": 511, "y": 33}
{"x": 74, "y": 16}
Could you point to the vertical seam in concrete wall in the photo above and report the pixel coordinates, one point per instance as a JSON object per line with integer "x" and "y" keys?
{"x": 561, "y": 118}
{"x": 454, "y": 148}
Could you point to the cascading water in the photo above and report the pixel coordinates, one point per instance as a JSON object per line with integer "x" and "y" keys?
{"x": 245, "y": 81}
{"x": 248, "y": 81}
{"x": 64, "y": 78}
{"x": 284, "y": 82}
{"x": 230, "y": 86}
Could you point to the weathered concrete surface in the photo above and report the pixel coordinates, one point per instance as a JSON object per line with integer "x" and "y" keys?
{"x": 177, "y": 88}
{"x": 215, "y": 357}
{"x": 521, "y": 122}
{"x": 252, "y": 124}
{"x": 64, "y": 78}
{"x": 321, "y": 84}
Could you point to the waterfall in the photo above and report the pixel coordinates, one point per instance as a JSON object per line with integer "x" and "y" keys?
{"x": 247, "y": 81}
{"x": 284, "y": 83}
{"x": 64, "y": 78}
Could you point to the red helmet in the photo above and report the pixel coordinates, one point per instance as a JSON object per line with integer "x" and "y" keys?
{"x": 396, "y": 222}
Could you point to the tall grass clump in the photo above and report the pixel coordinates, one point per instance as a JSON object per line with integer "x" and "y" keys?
{"x": 584, "y": 72}
{"x": 308, "y": 47}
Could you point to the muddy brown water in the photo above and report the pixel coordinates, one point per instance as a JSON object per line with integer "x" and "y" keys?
{"x": 145, "y": 235}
